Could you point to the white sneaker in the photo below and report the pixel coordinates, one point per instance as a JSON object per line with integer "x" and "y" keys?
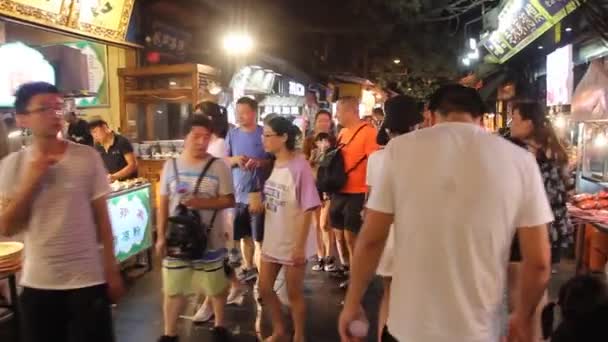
{"x": 236, "y": 295}
{"x": 204, "y": 314}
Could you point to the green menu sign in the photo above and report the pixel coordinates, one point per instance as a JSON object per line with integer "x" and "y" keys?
{"x": 520, "y": 22}
{"x": 130, "y": 214}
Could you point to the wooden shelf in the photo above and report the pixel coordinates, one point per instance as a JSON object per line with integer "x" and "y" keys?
{"x": 159, "y": 70}
{"x": 157, "y": 84}
{"x": 169, "y": 93}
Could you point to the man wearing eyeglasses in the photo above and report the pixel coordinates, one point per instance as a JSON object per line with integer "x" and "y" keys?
{"x": 54, "y": 192}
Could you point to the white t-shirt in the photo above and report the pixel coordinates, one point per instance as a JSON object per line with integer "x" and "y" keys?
{"x": 374, "y": 172}
{"x": 217, "y": 147}
{"x": 289, "y": 193}
{"x": 61, "y": 245}
{"x": 458, "y": 193}
{"x": 216, "y": 182}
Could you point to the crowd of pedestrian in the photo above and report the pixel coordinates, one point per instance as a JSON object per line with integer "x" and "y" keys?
{"x": 444, "y": 212}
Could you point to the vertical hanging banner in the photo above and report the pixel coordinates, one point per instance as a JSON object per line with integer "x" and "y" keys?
{"x": 520, "y": 22}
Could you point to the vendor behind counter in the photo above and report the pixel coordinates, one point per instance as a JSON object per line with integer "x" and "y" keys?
{"x": 116, "y": 151}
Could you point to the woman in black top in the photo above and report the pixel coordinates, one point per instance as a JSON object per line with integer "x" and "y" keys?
{"x": 534, "y": 131}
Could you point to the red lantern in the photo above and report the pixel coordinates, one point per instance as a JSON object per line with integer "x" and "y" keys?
{"x": 153, "y": 57}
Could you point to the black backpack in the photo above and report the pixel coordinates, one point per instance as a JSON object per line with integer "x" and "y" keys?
{"x": 187, "y": 234}
{"x": 332, "y": 175}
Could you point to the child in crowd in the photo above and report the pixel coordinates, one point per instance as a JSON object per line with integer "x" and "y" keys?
{"x": 583, "y": 304}
{"x": 323, "y": 142}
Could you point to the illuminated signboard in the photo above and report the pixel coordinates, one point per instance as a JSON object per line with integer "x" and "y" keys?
{"x": 522, "y": 21}
{"x": 296, "y": 89}
{"x": 131, "y": 218}
{"x": 26, "y": 65}
{"x": 559, "y": 76}
{"x": 103, "y": 19}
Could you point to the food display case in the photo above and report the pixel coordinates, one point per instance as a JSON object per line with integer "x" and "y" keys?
{"x": 129, "y": 206}
{"x": 592, "y": 156}
{"x": 151, "y": 157}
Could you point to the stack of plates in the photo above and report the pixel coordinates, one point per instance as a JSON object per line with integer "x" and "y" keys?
{"x": 10, "y": 256}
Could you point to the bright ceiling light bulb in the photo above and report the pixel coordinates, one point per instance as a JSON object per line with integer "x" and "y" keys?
{"x": 600, "y": 140}
{"x": 14, "y": 134}
{"x": 238, "y": 43}
{"x": 466, "y": 61}
{"x": 560, "y": 122}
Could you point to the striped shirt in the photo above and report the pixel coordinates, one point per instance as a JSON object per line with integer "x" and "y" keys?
{"x": 61, "y": 248}
{"x": 217, "y": 182}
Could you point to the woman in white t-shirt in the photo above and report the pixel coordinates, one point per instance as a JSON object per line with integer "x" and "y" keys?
{"x": 290, "y": 198}
{"x": 401, "y": 116}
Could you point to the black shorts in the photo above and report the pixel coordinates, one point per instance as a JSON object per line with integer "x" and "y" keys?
{"x": 515, "y": 251}
{"x": 247, "y": 225}
{"x": 387, "y": 337}
{"x": 345, "y": 211}
{"x": 67, "y": 315}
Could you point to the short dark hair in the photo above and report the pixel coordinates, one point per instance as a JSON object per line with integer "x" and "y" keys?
{"x": 253, "y": 104}
{"x": 322, "y": 112}
{"x": 197, "y": 120}
{"x": 378, "y": 111}
{"x": 217, "y": 115}
{"x": 97, "y": 123}
{"x": 26, "y": 91}
{"x": 457, "y": 98}
{"x": 402, "y": 113}
{"x": 382, "y": 137}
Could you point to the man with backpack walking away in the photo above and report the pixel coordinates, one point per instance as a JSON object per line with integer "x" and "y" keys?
{"x": 356, "y": 141}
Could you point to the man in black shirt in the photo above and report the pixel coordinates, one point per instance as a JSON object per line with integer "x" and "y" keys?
{"x": 116, "y": 151}
{"x": 78, "y": 129}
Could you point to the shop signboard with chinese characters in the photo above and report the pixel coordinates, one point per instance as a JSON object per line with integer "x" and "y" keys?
{"x": 106, "y": 19}
{"x": 103, "y": 19}
{"x": 131, "y": 217}
{"x": 54, "y": 13}
{"x": 296, "y": 89}
{"x": 522, "y": 21}
{"x": 169, "y": 40}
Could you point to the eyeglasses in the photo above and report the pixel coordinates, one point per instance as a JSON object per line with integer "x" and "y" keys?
{"x": 58, "y": 110}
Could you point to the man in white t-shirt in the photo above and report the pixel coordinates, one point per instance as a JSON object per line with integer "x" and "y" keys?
{"x": 55, "y": 193}
{"x": 457, "y": 195}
